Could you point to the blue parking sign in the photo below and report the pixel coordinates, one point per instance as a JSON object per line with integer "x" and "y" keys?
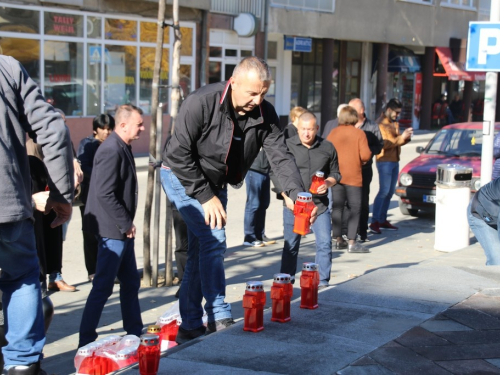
{"x": 483, "y": 47}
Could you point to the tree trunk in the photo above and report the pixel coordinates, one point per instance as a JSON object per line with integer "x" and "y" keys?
{"x": 152, "y": 143}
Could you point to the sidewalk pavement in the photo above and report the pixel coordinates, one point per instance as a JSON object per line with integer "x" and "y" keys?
{"x": 397, "y": 291}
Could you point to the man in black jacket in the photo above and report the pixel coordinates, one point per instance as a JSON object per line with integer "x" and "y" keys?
{"x": 109, "y": 214}
{"x": 375, "y": 143}
{"x": 219, "y": 131}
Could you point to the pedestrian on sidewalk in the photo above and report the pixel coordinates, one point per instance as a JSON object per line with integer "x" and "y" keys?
{"x": 24, "y": 110}
{"x": 483, "y": 214}
{"x": 109, "y": 215}
{"x": 375, "y": 143}
{"x": 388, "y": 164}
{"x": 312, "y": 154}
{"x": 220, "y": 129}
{"x": 102, "y": 126}
{"x": 352, "y": 150}
{"x": 258, "y": 186}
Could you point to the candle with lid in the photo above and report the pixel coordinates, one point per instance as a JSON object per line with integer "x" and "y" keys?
{"x": 253, "y": 303}
{"x": 281, "y": 294}
{"x": 302, "y": 211}
{"x": 149, "y": 354}
{"x": 309, "y": 282}
{"x": 317, "y": 180}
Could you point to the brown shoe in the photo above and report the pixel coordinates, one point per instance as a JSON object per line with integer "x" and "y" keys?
{"x": 61, "y": 286}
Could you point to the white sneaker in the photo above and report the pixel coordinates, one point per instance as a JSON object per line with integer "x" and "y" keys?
{"x": 254, "y": 243}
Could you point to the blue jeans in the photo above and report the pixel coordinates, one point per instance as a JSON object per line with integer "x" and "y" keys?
{"x": 22, "y": 299}
{"x": 322, "y": 230}
{"x": 258, "y": 198}
{"x": 115, "y": 259}
{"x": 204, "y": 275}
{"x": 488, "y": 237}
{"x": 388, "y": 178}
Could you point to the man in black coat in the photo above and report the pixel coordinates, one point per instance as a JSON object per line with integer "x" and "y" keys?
{"x": 109, "y": 214}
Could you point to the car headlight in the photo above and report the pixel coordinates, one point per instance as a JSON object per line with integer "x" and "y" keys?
{"x": 476, "y": 184}
{"x": 406, "y": 179}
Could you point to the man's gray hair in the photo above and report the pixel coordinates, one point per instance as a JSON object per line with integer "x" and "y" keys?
{"x": 339, "y": 108}
{"x": 255, "y": 64}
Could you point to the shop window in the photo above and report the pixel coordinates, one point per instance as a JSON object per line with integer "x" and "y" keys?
{"x": 272, "y": 50}
{"x": 215, "y": 52}
{"x": 187, "y": 41}
{"x": 214, "y": 71}
{"x": 63, "y": 24}
{"x": 19, "y": 20}
{"x": 95, "y": 54}
{"x": 185, "y": 80}
{"x": 26, "y": 51}
{"x": 116, "y": 29}
{"x": 228, "y": 71}
{"x": 231, "y": 52}
{"x": 120, "y": 83}
{"x": 63, "y": 81}
{"x": 147, "y": 59}
{"x": 246, "y": 53}
{"x": 94, "y": 27}
{"x": 149, "y": 31}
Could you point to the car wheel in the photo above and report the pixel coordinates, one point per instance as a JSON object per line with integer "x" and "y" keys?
{"x": 407, "y": 211}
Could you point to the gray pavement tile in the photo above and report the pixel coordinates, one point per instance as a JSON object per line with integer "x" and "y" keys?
{"x": 459, "y": 352}
{"x": 466, "y": 367}
{"x": 494, "y": 361}
{"x": 438, "y": 325}
{"x": 365, "y": 370}
{"x": 181, "y": 367}
{"x": 402, "y": 360}
{"x": 471, "y": 337}
{"x": 364, "y": 361}
{"x": 419, "y": 336}
{"x": 472, "y": 318}
{"x": 323, "y": 354}
{"x": 488, "y": 304}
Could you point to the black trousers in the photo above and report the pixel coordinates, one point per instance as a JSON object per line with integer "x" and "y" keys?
{"x": 351, "y": 195}
{"x": 89, "y": 248}
{"x": 181, "y": 242}
{"x": 367, "y": 173}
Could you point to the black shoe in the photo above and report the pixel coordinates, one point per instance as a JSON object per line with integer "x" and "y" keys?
{"x": 363, "y": 238}
{"x": 267, "y": 240}
{"x": 33, "y": 369}
{"x": 357, "y": 248}
{"x": 341, "y": 245}
{"x": 219, "y": 325}
{"x": 184, "y": 335}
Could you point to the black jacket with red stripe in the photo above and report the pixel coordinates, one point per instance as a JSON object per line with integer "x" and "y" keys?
{"x": 197, "y": 150}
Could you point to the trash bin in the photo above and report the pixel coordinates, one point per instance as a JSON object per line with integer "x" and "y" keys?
{"x": 452, "y": 198}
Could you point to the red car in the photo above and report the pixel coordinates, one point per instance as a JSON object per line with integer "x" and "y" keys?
{"x": 453, "y": 144}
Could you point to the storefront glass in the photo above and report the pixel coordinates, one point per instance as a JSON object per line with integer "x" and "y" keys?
{"x": 94, "y": 53}
{"x": 119, "y": 77}
{"x": 19, "y": 20}
{"x": 147, "y": 59}
{"x": 63, "y": 81}
{"x": 116, "y": 29}
{"x": 149, "y": 31}
{"x": 26, "y": 51}
{"x": 63, "y": 24}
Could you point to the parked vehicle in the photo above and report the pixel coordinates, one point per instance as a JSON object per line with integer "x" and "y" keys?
{"x": 453, "y": 144}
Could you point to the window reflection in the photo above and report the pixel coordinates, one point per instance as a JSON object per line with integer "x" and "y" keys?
{"x": 19, "y": 20}
{"x": 94, "y": 27}
{"x": 63, "y": 79}
{"x": 116, "y": 29}
{"x": 187, "y": 41}
{"x": 146, "y": 80}
{"x": 119, "y": 74}
{"x": 185, "y": 80}
{"x": 26, "y": 51}
{"x": 63, "y": 24}
{"x": 95, "y": 54}
{"x": 149, "y": 30}
{"x": 214, "y": 72}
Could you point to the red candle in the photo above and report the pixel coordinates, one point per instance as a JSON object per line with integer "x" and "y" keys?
{"x": 302, "y": 211}
{"x": 253, "y": 303}
{"x": 281, "y": 294}
{"x": 309, "y": 282}
{"x": 149, "y": 354}
{"x": 317, "y": 180}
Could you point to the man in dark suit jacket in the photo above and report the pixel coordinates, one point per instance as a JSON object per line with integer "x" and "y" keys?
{"x": 109, "y": 214}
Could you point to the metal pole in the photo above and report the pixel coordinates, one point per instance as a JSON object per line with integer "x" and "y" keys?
{"x": 490, "y": 100}
{"x": 266, "y": 15}
{"x": 157, "y": 205}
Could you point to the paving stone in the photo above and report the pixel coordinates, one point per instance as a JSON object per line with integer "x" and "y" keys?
{"x": 458, "y": 352}
{"x": 471, "y": 337}
{"x": 365, "y": 370}
{"x": 444, "y": 325}
{"x": 484, "y": 303}
{"x": 494, "y": 361}
{"x": 419, "y": 336}
{"x": 364, "y": 361}
{"x": 404, "y": 360}
{"x": 466, "y": 367}
{"x": 472, "y": 318}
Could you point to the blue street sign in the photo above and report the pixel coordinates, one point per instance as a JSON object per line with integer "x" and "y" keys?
{"x": 295, "y": 43}
{"x": 94, "y": 54}
{"x": 483, "y": 47}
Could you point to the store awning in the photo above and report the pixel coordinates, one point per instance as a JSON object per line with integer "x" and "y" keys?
{"x": 455, "y": 70}
{"x": 402, "y": 60}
